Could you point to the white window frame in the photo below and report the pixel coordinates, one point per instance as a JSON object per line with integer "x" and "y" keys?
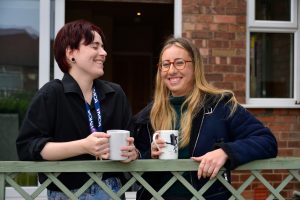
{"x": 292, "y": 26}
{"x": 44, "y": 66}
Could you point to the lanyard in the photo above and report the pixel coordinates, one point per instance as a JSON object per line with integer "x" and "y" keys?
{"x": 89, "y": 113}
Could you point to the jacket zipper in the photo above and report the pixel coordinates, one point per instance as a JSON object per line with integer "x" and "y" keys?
{"x": 210, "y": 111}
{"x": 191, "y": 177}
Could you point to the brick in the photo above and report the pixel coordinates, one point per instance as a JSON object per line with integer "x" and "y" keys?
{"x": 241, "y": 20}
{"x": 201, "y": 35}
{"x": 294, "y": 135}
{"x": 239, "y": 86}
{"x": 235, "y": 11}
{"x": 280, "y": 112}
{"x": 213, "y": 27}
{"x": 219, "y": 19}
{"x": 235, "y": 178}
{"x": 236, "y": 28}
{"x": 219, "y": 60}
{"x": 297, "y": 152}
{"x": 247, "y": 195}
{"x": 214, "y": 77}
{"x": 234, "y": 77}
{"x": 188, "y": 26}
{"x": 238, "y": 60}
{"x": 205, "y": 60}
{"x": 205, "y": 18}
{"x": 224, "y": 85}
{"x": 202, "y": 27}
{"x": 268, "y": 119}
{"x": 285, "y": 152}
{"x": 218, "y": 44}
{"x": 208, "y": 68}
{"x": 241, "y": 53}
{"x": 295, "y": 127}
{"x": 223, "y": 52}
{"x": 225, "y": 3}
{"x": 201, "y": 2}
{"x": 279, "y": 127}
{"x": 224, "y": 36}
{"x": 294, "y": 144}
{"x": 240, "y": 36}
{"x": 273, "y": 177}
{"x": 201, "y": 43}
{"x": 204, "y": 51}
{"x": 224, "y": 68}
{"x": 216, "y": 10}
{"x": 240, "y": 69}
{"x": 282, "y": 144}
{"x": 222, "y": 28}
{"x": 189, "y": 18}
{"x": 260, "y": 193}
{"x": 238, "y": 44}
{"x": 242, "y": 5}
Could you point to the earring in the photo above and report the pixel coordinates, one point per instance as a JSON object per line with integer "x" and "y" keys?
{"x": 73, "y": 60}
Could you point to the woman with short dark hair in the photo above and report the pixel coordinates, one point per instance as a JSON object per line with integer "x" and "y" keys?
{"x": 68, "y": 118}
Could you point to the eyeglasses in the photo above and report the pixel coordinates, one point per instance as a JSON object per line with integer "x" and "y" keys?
{"x": 178, "y": 63}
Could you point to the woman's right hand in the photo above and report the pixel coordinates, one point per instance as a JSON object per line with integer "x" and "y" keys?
{"x": 156, "y": 148}
{"x": 97, "y": 144}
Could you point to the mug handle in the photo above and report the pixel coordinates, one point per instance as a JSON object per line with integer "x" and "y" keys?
{"x": 154, "y": 139}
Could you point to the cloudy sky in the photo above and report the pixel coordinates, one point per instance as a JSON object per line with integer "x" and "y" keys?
{"x": 23, "y": 14}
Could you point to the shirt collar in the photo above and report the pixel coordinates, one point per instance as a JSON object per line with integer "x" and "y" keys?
{"x": 70, "y": 85}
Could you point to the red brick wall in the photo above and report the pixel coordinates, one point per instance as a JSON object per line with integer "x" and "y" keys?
{"x": 218, "y": 28}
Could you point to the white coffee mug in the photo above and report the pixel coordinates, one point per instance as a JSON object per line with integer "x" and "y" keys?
{"x": 170, "y": 151}
{"x": 118, "y": 139}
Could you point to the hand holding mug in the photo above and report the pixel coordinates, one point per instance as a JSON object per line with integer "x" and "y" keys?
{"x": 165, "y": 144}
{"x": 130, "y": 152}
{"x": 120, "y": 144}
{"x": 97, "y": 144}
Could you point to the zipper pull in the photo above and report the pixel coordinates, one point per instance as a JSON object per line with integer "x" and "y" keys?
{"x": 225, "y": 176}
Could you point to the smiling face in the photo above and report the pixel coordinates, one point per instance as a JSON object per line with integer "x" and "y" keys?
{"x": 89, "y": 58}
{"x": 179, "y": 82}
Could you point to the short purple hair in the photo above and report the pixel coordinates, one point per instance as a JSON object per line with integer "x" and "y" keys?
{"x": 70, "y": 36}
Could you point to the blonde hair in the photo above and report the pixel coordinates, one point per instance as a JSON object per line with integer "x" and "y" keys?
{"x": 163, "y": 116}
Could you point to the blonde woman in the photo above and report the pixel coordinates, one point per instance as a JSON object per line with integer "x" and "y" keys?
{"x": 214, "y": 129}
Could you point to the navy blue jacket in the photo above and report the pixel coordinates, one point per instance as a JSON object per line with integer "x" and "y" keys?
{"x": 243, "y": 137}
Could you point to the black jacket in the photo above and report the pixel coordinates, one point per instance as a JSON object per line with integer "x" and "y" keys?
{"x": 57, "y": 113}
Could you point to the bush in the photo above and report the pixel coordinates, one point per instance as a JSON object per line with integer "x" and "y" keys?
{"x": 16, "y": 103}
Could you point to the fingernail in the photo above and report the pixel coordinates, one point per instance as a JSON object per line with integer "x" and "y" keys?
{"x": 199, "y": 177}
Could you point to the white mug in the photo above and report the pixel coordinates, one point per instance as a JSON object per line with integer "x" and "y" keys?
{"x": 170, "y": 151}
{"x": 118, "y": 139}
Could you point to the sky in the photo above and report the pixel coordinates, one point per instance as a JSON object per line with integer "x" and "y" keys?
{"x": 23, "y": 14}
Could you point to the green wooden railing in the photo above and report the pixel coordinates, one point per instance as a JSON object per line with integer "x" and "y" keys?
{"x": 9, "y": 169}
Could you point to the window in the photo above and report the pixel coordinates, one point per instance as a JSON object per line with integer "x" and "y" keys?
{"x": 272, "y": 62}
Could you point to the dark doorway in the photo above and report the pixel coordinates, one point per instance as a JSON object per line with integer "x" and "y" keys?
{"x": 134, "y": 34}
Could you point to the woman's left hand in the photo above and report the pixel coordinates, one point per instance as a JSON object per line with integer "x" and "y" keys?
{"x": 130, "y": 151}
{"x": 211, "y": 163}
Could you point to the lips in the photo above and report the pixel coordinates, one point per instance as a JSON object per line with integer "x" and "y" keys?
{"x": 174, "y": 80}
{"x": 100, "y": 62}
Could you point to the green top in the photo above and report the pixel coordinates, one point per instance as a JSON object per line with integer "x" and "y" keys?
{"x": 177, "y": 189}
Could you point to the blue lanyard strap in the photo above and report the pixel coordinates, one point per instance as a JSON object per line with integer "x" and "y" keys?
{"x": 89, "y": 113}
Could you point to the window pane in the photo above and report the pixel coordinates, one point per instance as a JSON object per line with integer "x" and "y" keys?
{"x": 19, "y": 53}
{"x": 271, "y": 65}
{"x": 277, "y": 10}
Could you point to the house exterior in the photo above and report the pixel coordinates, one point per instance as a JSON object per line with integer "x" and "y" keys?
{"x": 249, "y": 46}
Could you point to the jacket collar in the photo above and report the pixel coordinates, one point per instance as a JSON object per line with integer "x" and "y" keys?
{"x": 71, "y": 86}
